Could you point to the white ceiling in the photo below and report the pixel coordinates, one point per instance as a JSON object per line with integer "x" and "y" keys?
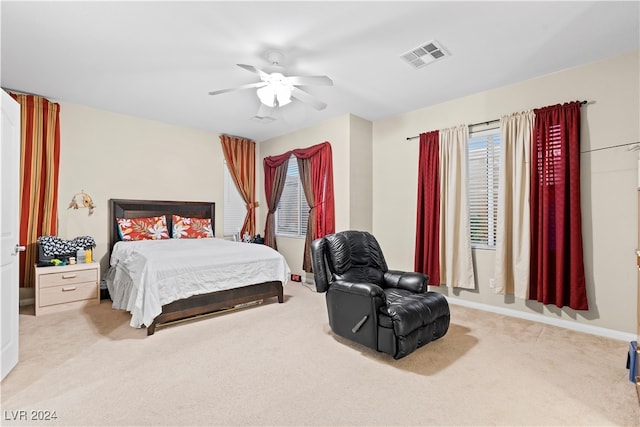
{"x": 159, "y": 59}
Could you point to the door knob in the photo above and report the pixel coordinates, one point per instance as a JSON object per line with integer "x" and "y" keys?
{"x": 19, "y": 248}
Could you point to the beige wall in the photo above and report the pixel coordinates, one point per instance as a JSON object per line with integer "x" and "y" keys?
{"x": 360, "y": 174}
{"x": 111, "y": 155}
{"x": 115, "y": 156}
{"x": 609, "y": 180}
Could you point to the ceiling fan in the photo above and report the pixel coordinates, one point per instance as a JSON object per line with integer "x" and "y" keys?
{"x": 276, "y": 90}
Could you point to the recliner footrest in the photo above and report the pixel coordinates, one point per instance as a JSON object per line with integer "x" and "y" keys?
{"x": 410, "y": 312}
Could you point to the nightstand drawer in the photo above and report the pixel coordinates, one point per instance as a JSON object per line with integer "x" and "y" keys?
{"x": 68, "y": 293}
{"x": 68, "y": 278}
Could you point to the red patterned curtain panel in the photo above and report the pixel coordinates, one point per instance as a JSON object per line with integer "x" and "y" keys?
{"x": 427, "y": 252}
{"x": 39, "y": 166}
{"x": 240, "y": 154}
{"x": 557, "y": 268}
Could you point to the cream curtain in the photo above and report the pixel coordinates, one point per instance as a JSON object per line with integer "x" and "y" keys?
{"x": 456, "y": 264}
{"x": 513, "y": 226}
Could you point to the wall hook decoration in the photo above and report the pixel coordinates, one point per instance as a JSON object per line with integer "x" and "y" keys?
{"x": 82, "y": 200}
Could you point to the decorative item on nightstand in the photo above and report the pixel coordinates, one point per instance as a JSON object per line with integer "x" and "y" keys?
{"x": 52, "y": 248}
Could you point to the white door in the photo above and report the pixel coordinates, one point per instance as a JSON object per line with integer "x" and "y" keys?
{"x": 9, "y": 232}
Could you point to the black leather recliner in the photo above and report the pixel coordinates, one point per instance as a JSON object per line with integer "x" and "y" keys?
{"x": 387, "y": 310}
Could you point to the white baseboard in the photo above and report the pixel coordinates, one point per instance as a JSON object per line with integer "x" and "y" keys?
{"x": 27, "y": 301}
{"x": 562, "y": 323}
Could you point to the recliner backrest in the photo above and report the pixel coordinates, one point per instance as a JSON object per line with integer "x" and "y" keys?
{"x": 354, "y": 256}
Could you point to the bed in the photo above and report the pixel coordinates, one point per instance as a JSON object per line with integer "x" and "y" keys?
{"x": 161, "y": 281}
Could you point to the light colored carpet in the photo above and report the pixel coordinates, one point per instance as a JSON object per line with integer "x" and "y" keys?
{"x": 279, "y": 364}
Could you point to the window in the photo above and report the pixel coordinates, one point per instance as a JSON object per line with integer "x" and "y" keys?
{"x": 550, "y": 158}
{"x": 484, "y": 163}
{"x": 293, "y": 210}
{"x": 235, "y": 209}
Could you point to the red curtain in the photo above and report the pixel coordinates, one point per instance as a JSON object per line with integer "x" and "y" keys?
{"x": 39, "y": 166}
{"x": 557, "y": 268}
{"x": 322, "y": 180}
{"x": 240, "y": 154}
{"x": 427, "y": 251}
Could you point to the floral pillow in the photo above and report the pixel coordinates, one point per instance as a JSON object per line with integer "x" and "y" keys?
{"x": 191, "y": 228}
{"x": 151, "y": 228}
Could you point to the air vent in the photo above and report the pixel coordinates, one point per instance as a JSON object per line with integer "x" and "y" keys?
{"x": 425, "y": 54}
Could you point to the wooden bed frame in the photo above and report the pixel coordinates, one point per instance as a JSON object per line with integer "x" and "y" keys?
{"x": 197, "y": 304}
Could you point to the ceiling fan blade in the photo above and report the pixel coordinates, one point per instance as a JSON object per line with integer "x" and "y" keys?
{"x": 255, "y": 70}
{"x": 303, "y": 96}
{"x": 310, "y": 80}
{"x": 247, "y": 86}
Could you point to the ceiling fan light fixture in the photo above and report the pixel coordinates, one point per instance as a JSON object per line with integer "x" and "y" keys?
{"x": 274, "y": 95}
{"x": 277, "y": 90}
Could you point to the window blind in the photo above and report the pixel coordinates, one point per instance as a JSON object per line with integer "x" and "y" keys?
{"x": 293, "y": 210}
{"x": 484, "y": 163}
{"x": 550, "y": 157}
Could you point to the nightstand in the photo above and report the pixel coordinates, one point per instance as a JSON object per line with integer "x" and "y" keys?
{"x": 67, "y": 287}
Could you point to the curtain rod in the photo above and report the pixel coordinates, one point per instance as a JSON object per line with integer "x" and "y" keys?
{"x": 482, "y": 123}
{"x": 7, "y": 89}
{"x": 637, "y": 148}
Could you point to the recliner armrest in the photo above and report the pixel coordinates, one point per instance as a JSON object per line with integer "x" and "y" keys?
{"x": 411, "y": 281}
{"x": 362, "y": 289}
{"x": 319, "y": 264}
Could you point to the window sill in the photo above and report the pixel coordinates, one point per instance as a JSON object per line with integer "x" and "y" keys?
{"x": 483, "y": 247}
{"x": 291, "y": 236}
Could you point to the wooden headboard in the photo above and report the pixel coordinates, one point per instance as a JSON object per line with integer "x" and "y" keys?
{"x": 123, "y": 208}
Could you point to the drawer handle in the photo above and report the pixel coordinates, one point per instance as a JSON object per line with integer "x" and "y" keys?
{"x": 68, "y": 289}
{"x": 68, "y": 276}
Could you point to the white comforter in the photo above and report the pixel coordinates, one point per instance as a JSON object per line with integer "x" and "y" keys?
{"x": 145, "y": 275}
